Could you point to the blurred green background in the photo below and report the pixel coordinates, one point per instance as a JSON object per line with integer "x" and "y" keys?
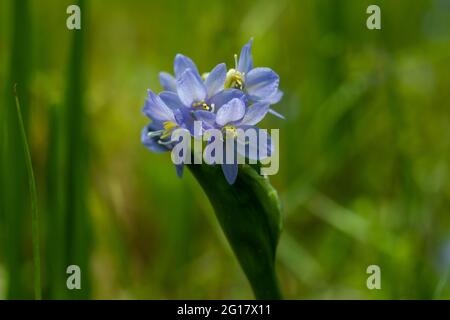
{"x": 364, "y": 151}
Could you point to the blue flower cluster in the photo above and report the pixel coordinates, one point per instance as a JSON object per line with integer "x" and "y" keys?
{"x": 222, "y": 99}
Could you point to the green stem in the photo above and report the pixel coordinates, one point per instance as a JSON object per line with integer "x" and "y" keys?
{"x": 250, "y": 216}
{"x": 34, "y": 207}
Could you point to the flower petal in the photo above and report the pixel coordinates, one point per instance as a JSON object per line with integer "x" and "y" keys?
{"x": 171, "y": 99}
{"x": 245, "y": 59}
{"x": 255, "y": 113}
{"x": 208, "y": 118}
{"x": 190, "y": 88}
{"x": 232, "y": 111}
{"x": 276, "y": 97}
{"x": 156, "y": 109}
{"x": 151, "y": 143}
{"x": 261, "y": 83}
{"x": 230, "y": 172}
{"x": 179, "y": 168}
{"x": 246, "y": 147}
{"x": 182, "y": 63}
{"x": 215, "y": 80}
{"x": 226, "y": 96}
{"x": 253, "y": 151}
{"x": 167, "y": 81}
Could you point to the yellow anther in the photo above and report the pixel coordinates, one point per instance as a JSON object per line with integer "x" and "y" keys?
{"x": 169, "y": 125}
{"x": 201, "y": 105}
{"x": 168, "y": 128}
{"x": 234, "y": 79}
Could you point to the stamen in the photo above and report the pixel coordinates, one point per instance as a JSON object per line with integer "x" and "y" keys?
{"x": 166, "y": 135}
{"x": 235, "y": 61}
{"x": 156, "y": 133}
{"x": 164, "y": 143}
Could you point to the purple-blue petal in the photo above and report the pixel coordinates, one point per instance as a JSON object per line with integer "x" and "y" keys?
{"x": 261, "y": 83}
{"x": 255, "y": 113}
{"x": 208, "y": 118}
{"x": 167, "y": 81}
{"x": 275, "y": 98}
{"x": 254, "y": 152}
{"x": 156, "y": 109}
{"x": 151, "y": 143}
{"x": 215, "y": 80}
{"x": 190, "y": 88}
{"x": 230, "y": 172}
{"x": 179, "y": 169}
{"x": 225, "y": 96}
{"x": 171, "y": 99}
{"x": 245, "y": 59}
{"x": 230, "y": 112}
{"x": 182, "y": 63}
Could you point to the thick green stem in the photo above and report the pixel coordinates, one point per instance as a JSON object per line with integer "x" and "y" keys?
{"x": 250, "y": 216}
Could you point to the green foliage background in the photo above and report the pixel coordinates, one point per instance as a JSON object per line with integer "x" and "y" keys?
{"x": 364, "y": 150}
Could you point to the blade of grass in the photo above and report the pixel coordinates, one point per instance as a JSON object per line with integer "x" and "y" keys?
{"x": 13, "y": 170}
{"x": 34, "y": 205}
{"x": 76, "y": 148}
{"x": 55, "y": 243}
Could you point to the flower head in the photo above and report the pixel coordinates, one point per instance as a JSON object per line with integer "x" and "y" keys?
{"x": 165, "y": 117}
{"x": 259, "y": 84}
{"x": 231, "y": 101}
{"x": 232, "y": 117}
{"x": 195, "y": 95}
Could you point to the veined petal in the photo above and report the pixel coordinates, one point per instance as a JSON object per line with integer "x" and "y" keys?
{"x": 167, "y": 81}
{"x": 226, "y": 96}
{"x": 261, "y": 83}
{"x": 232, "y": 111}
{"x": 245, "y": 59}
{"x": 171, "y": 99}
{"x": 255, "y": 113}
{"x": 190, "y": 88}
{"x": 182, "y": 63}
{"x": 215, "y": 80}
{"x": 156, "y": 109}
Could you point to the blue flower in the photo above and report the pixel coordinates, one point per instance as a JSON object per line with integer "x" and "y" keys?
{"x": 232, "y": 102}
{"x": 181, "y": 63}
{"x": 230, "y": 117}
{"x": 193, "y": 94}
{"x": 165, "y": 117}
{"x": 259, "y": 84}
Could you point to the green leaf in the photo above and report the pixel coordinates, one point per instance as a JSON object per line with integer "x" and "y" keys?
{"x": 250, "y": 216}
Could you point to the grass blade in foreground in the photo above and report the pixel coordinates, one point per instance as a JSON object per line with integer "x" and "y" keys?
{"x": 250, "y": 216}
{"x": 34, "y": 206}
